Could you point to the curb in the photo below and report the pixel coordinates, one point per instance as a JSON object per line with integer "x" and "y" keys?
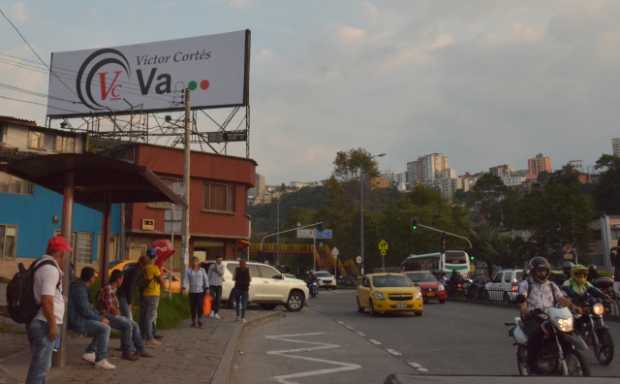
{"x": 223, "y": 372}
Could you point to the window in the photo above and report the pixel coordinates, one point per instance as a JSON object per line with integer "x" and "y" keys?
{"x": 35, "y": 140}
{"x": 498, "y": 277}
{"x": 12, "y": 184}
{"x": 82, "y": 247}
{"x": 268, "y": 272}
{"x": 508, "y": 277}
{"x": 8, "y": 241}
{"x": 219, "y": 197}
{"x": 65, "y": 144}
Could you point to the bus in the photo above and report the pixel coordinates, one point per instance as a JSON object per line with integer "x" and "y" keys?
{"x": 439, "y": 262}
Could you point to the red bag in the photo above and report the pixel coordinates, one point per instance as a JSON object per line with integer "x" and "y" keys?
{"x": 207, "y": 304}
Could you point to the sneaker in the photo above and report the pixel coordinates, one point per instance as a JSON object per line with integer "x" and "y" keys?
{"x": 130, "y": 356}
{"x": 146, "y": 355}
{"x": 90, "y": 357}
{"x": 217, "y": 316}
{"x": 244, "y": 321}
{"x": 105, "y": 364}
{"x": 152, "y": 343}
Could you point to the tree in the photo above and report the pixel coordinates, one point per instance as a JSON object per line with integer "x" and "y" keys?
{"x": 348, "y": 164}
{"x": 488, "y": 193}
{"x": 607, "y": 191}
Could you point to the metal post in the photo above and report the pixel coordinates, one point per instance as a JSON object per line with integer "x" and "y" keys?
{"x": 123, "y": 238}
{"x": 362, "y": 220}
{"x": 186, "y": 182}
{"x": 60, "y": 357}
{"x": 278, "y": 230}
{"x": 105, "y": 241}
{"x": 314, "y": 250}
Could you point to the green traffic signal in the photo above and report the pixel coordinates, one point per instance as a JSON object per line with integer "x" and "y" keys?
{"x": 414, "y": 225}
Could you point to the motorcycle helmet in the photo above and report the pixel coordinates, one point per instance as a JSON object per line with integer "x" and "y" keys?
{"x": 580, "y": 274}
{"x": 539, "y": 263}
{"x": 567, "y": 267}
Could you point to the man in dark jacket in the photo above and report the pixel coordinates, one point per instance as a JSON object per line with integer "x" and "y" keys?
{"x": 129, "y": 287}
{"x": 242, "y": 287}
{"x": 86, "y": 321}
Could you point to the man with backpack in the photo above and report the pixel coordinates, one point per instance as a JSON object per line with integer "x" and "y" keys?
{"x": 40, "y": 305}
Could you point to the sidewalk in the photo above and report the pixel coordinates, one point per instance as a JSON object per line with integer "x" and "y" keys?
{"x": 187, "y": 354}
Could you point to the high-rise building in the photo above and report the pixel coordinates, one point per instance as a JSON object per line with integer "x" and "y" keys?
{"x": 615, "y": 143}
{"x": 501, "y": 171}
{"x": 426, "y": 169}
{"x": 538, "y": 164}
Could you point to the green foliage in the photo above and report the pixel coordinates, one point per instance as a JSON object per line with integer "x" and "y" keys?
{"x": 348, "y": 164}
{"x": 607, "y": 191}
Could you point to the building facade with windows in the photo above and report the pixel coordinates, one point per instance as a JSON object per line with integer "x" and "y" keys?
{"x": 218, "y": 201}
{"x": 538, "y": 164}
{"x": 30, "y": 214}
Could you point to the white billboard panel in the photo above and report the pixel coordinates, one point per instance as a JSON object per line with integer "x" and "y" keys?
{"x": 150, "y": 77}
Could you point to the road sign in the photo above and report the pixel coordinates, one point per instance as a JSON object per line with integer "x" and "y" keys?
{"x": 383, "y": 247}
{"x": 358, "y": 259}
{"x": 305, "y": 233}
{"x": 227, "y": 136}
{"x": 325, "y": 234}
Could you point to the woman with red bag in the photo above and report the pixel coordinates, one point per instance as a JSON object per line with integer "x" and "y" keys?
{"x": 197, "y": 283}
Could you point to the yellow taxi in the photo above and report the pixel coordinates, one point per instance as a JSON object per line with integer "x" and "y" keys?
{"x": 172, "y": 282}
{"x": 389, "y": 292}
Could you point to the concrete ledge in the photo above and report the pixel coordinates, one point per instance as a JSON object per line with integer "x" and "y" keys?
{"x": 223, "y": 372}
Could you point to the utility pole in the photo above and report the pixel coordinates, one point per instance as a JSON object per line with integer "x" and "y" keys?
{"x": 186, "y": 180}
{"x": 362, "y": 269}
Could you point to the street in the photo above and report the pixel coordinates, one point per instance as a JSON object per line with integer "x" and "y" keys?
{"x": 333, "y": 343}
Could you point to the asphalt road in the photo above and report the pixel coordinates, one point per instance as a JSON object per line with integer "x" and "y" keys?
{"x": 449, "y": 339}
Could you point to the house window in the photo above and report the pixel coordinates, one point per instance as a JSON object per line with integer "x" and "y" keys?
{"x": 219, "y": 197}
{"x": 15, "y": 185}
{"x": 82, "y": 247}
{"x": 65, "y": 144}
{"x": 8, "y": 241}
{"x": 35, "y": 140}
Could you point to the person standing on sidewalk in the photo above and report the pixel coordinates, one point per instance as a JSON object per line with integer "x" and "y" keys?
{"x": 108, "y": 305}
{"x": 216, "y": 279}
{"x": 196, "y": 283}
{"x": 44, "y": 328}
{"x": 128, "y": 288}
{"x": 86, "y": 321}
{"x": 242, "y": 287}
{"x": 151, "y": 292}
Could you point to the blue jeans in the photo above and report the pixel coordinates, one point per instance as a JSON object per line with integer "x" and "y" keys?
{"x": 148, "y": 310}
{"x": 124, "y": 307}
{"x": 42, "y": 348}
{"x": 131, "y": 338}
{"x": 101, "y": 337}
{"x": 241, "y": 302}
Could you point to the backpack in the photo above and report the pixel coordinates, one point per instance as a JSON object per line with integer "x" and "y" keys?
{"x": 21, "y": 303}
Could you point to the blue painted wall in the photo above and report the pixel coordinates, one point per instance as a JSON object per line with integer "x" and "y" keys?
{"x": 33, "y": 215}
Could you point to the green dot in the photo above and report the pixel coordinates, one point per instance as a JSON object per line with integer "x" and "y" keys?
{"x": 192, "y": 85}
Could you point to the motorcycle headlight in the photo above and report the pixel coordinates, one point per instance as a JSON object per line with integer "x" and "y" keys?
{"x": 440, "y": 287}
{"x": 598, "y": 309}
{"x": 378, "y": 295}
{"x": 566, "y": 325}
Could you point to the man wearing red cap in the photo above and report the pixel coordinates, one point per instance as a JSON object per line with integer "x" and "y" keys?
{"x": 43, "y": 329}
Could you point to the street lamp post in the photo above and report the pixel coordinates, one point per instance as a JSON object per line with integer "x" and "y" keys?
{"x": 362, "y": 184}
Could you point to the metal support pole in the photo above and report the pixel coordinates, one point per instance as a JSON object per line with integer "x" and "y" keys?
{"x": 278, "y": 231}
{"x": 362, "y": 221}
{"x": 123, "y": 237}
{"x": 105, "y": 241}
{"x": 60, "y": 357}
{"x": 186, "y": 182}
{"x": 314, "y": 250}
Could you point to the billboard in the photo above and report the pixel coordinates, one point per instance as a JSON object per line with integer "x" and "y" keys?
{"x": 150, "y": 77}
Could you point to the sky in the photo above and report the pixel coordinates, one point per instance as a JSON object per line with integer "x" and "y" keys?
{"x": 482, "y": 81}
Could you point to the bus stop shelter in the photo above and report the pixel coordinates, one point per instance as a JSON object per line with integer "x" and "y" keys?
{"x": 94, "y": 181}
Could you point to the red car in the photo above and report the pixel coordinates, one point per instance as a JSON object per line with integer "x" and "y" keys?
{"x": 430, "y": 286}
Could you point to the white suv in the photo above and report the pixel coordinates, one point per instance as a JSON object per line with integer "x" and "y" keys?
{"x": 269, "y": 287}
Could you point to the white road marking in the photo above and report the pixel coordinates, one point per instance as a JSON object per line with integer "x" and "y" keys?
{"x": 361, "y": 333}
{"x": 340, "y": 322}
{"x": 375, "y": 342}
{"x": 422, "y": 369}
{"x": 310, "y": 346}
{"x": 349, "y": 328}
{"x": 393, "y": 352}
{"x": 414, "y": 365}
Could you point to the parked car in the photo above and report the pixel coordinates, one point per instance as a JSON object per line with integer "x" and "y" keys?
{"x": 389, "y": 292}
{"x": 505, "y": 285}
{"x": 430, "y": 286}
{"x": 326, "y": 280}
{"x": 269, "y": 287}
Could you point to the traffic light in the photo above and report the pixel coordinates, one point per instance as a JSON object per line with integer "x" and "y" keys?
{"x": 414, "y": 224}
{"x": 472, "y": 258}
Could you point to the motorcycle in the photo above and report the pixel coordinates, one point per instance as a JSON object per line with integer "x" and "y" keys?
{"x": 458, "y": 288}
{"x": 475, "y": 290}
{"x": 561, "y": 353}
{"x": 606, "y": 285}
{"x": 313, "y": 286}
{"x": 593, "y": 330}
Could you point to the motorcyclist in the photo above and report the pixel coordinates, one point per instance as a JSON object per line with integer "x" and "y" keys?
{"x": 312, "y": 279}
{"x": 536, "y": 294}
{"x": 579, "y": 290}
{"x": 593, "y": 273}
{"x": 567, "y": 269}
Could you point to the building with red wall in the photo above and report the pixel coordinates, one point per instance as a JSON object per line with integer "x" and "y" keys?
{"x": 218, "y": 198}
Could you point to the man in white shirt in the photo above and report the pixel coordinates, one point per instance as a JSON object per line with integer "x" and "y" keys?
{"x": 44, "y": 328}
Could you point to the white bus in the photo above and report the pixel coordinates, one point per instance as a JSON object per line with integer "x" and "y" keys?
{"x": 437, "y": 262}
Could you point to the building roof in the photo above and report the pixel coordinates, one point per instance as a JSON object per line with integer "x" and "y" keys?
{"x": 98, "y": 179}
{"x": 17, "y": 121}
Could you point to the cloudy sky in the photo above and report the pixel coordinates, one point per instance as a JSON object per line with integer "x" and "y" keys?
{"x": 485, "y": 82}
